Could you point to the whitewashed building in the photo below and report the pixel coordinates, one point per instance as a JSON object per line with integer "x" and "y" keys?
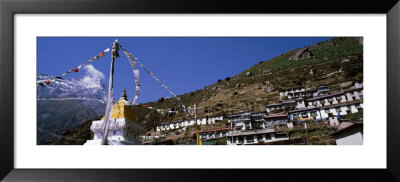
{"x": 305, "y": 114}
{"x": 258, "y": 121}
{"x": 213, "y": 134}
{"x": 254, "y": 137}
{"x": 203, "y": 120}
{"x": 322, "y": 90}
{"x": 282, "y": 106}
{"x": 342, "y": 109}
{"x": 277, "y": 119}
{"x": 241, "y": 121}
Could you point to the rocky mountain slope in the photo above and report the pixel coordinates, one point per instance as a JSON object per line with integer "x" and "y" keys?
{"x": 66, "y": 103}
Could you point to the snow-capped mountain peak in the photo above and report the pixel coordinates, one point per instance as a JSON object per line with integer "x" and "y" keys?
{"x": 90, "y": 86}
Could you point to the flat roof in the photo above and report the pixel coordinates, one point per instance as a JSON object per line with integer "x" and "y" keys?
{"x": 342, "y": 104}
{"x": 288, "y": 101}
{"x": 276, "y": 116}
{"x": 305, "y": 109}
{"x": 254, "y": 132}
{"x": 238, "y": 114}
{"x": 221, "y": 129}
{"x": 325, "y": 96}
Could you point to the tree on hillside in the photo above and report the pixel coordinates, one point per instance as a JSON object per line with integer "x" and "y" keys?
{"x": 335, "y": 65}
{"x": 353, "y": 67}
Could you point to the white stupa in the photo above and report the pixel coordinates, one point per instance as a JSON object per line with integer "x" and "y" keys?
{"x": 123, "y": 127}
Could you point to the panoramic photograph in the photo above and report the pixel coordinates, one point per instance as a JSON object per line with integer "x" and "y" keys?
{"x": 199, "y": 91}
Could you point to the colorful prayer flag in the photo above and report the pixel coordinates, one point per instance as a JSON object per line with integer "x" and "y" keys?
{"x": 136, "y": 73}
{"x": 47, "y": 82}
{"x": 106, "y": 50}
{"x": 102, "y": 54}
{"x": 64, "y": 74}
{"x": 75, "y": 69}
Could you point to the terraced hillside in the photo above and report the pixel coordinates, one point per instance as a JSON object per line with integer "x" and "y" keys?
{"x": 335, "y": 63}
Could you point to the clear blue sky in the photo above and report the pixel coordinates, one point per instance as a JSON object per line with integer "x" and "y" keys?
{"x": 184, "y": 64}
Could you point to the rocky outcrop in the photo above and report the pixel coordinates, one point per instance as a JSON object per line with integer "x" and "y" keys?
{"x": 270, "y": 89}
{"x": 302, "y": 54}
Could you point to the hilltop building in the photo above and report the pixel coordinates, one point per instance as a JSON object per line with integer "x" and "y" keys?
{"x": 123, "y": 127}
{"x": 301, "y": 92}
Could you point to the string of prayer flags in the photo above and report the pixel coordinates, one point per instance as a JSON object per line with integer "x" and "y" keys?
{"x": 134, "y": 61}
{"x": 136, "y": 75}
{"x": 76, "y": 69}
{"x": 47, "y": 82}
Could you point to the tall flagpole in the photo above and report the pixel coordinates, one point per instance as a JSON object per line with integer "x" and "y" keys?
{"x": 110, "y": 96}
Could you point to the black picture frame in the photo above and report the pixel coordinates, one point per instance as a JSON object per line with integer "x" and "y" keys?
{"x": 9, "y": 8}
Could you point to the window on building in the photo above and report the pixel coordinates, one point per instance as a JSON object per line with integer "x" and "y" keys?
{"x": 338, "y": 109}
{"x": 358, "y": 106}
{"x": 313, "y": 114}
{"x": 326, "y": 110}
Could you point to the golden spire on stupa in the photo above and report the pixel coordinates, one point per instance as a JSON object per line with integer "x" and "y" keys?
{"x": 122, "y": 109}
